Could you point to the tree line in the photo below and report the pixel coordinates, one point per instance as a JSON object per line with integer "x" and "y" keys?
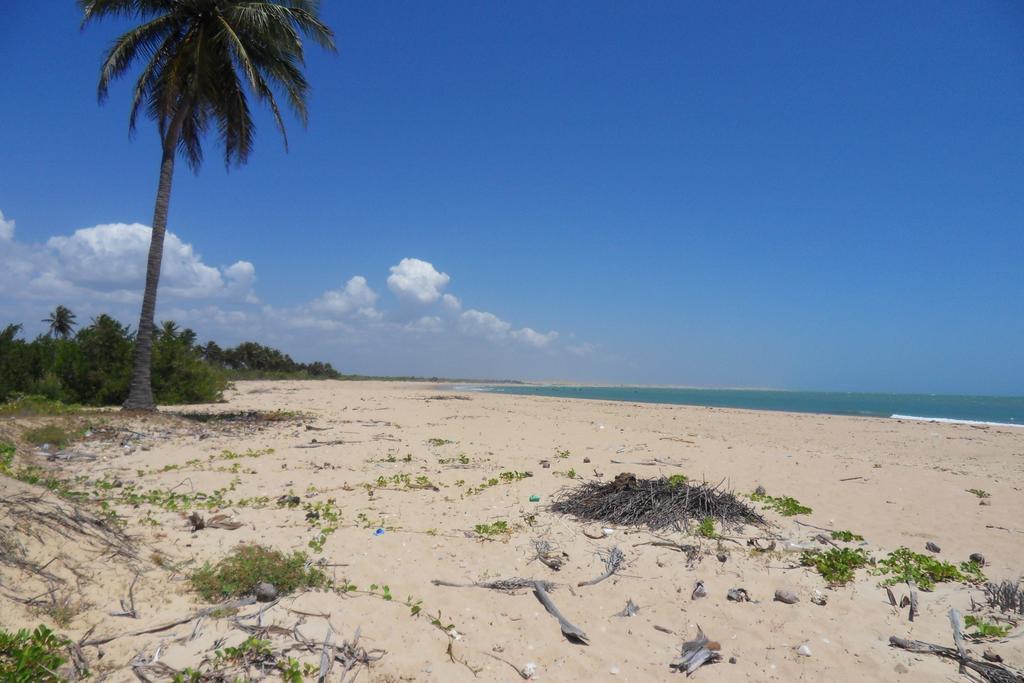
{"x": 93, "y": 365}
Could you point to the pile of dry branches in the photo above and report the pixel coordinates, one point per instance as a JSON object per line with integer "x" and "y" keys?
{"x": 653, "y": 503}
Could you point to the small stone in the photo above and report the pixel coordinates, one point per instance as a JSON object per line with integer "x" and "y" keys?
{"x": 819, "y": 598}
{"x": 265, "y": 592}
{"x": 586, "y": 459}
{"x": 932, "y": 547}
{"x": 977, "y": 558}
{"x": 804, "y": 650}
{"x": 788, "y": 597}
{"x": 760, "y": 490}
{"x": 614, "y": 671}
{"x": 698, "y": 591}
{"x": 732, "y": 660}
{"x": 722, "y": 556}
{"x": 984, "y": 502}
{"x": 528, "y": 671}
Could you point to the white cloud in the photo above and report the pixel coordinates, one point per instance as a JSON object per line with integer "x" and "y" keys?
{"x": 451, "y": 303}
{"x": 416, "y": 281}
{"x": 426, "y": 323}
{"x": 113, "y": 257}
{"x": 6, "y": 228}
{"x": 483, "y": 323}
{"x": 531, "y": 337}
{"x": 102, "y": 269}
{"x": 356, "y": 296}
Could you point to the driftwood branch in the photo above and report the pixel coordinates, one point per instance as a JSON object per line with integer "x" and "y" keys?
{"x": 612, "y": 563}
{"x": 569, "y": 630}
{"x": 171, "y": 624}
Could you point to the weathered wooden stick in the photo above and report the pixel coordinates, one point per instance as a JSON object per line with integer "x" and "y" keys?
{"x": 569, "y": 630}
{"x": 171, "y": 624}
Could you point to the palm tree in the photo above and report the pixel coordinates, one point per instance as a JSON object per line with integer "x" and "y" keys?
{"x": 203, "y": 59}
{"x": 61, "y": 321}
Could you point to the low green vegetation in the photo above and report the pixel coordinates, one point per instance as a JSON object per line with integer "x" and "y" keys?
{"x": 439, "y": 442}
{"x": 904, "y": 565}
{"x": 677, "y": 480}
{"x": 249, "y": 565}
{"x": 498, "y": 528}
{"x": 706, "y": 528}
{"x": 54, "y": 435}
{"x": 460, "y": 459}
{"x": 836, "y": 565}
{"x": 7, "y": 451}
{"x": 786, "y": 506}
{"x": 21, "y": 405}
{"x": 980, "y": 493}
{"x": 32, "y": 656}
{"x": 846, "y": 536}
{"x": 562, "y": 453}
{"x": 985, "y": 629}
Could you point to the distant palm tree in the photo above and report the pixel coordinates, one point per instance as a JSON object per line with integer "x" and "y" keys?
{"x": 61, "y": 321}
{"x": 203, "y": 58}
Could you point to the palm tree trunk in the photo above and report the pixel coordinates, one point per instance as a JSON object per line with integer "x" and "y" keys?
{"x": 140, "y": 395}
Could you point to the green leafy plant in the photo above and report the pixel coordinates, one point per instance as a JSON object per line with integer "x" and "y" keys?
{"x": 846, "y": 536}
{"x": 836, "y": 565}
{"x": 32, "y": 656}
{"x": 706, "y": 528}
{"x": 7, "y": 451}
{"x": 903, "y": 564}
{"x": 249, "y": 565}
{"x": 439, "y": 442}
{"x": 786, "y": 506}
{"x": 677, "y": 480}
{"x": 985, "y": 629}
{"x": 980, "y": 493}
{"x": 56, "y": 436}
{"x": 21, "y": 405}
{"x": 562, "y": 453}
{"x": 497, "y": 528}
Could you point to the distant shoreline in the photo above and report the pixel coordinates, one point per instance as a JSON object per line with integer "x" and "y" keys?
{"x": 977, "y": 410}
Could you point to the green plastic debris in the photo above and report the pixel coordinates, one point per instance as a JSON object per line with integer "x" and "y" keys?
{"x": 534, "y": 499}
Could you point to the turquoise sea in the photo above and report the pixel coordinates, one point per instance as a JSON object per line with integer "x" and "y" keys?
{"x": 985, "y": 409}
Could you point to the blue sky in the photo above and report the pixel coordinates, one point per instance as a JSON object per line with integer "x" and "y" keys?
{"x": 799, "y": 195}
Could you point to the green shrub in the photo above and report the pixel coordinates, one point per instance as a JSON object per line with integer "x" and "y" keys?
{"x": 493, "y": 529}
{"x": 29, "y": 405}
{"x": 903, "y": 564}
{"x": 54, "y": 435}
{"x": 31, "y": 657}
{"x": 985, "y": 629}
{"x": 706, "y": 528}
{"x": 249, "y": 565}
{"x": 785, "y": 506}
{"x": 846, "y": 536}
{"x": 836, "y": 565}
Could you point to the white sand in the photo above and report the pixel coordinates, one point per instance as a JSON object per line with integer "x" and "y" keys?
{"x": 909, "y": 487}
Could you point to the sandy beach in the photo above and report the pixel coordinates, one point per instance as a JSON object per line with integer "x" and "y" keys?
{"x": 416, "y": 461}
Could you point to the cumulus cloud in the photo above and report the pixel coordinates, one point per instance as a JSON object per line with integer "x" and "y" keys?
{"x": 6, "y": 228}
{"x": 451, "y": 303}
{"x": 112, "y": 257}
{"x": 533, "y": 338}
{"x": 483, "y": 323}
{"x": 102, "y": 269}
{"x": 416, "y": 281}
{"x": 356, "y": 296}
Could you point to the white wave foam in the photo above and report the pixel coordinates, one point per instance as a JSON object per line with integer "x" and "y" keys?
{"x": 955, "y": 421}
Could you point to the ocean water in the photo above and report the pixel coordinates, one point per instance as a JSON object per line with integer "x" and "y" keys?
{"x": 1007, "y": 410}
